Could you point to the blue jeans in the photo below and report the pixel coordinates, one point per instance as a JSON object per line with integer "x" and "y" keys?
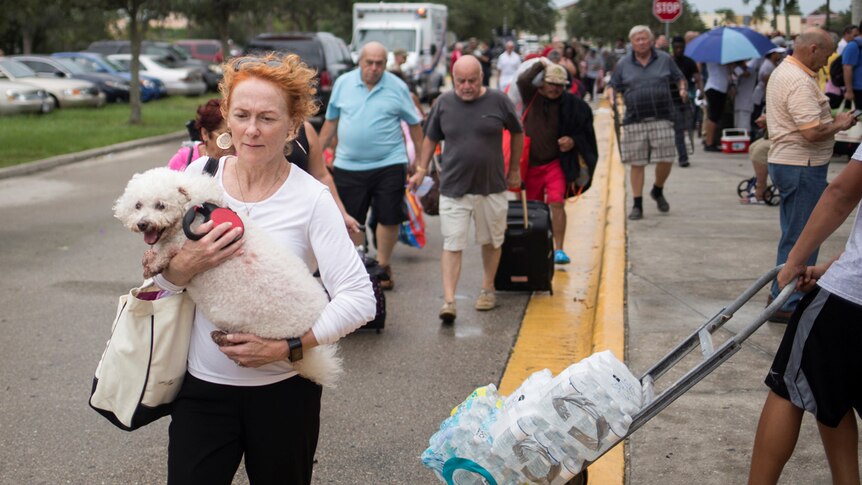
{"x": 681, "y": 123}
{"x": 800, "y": 188}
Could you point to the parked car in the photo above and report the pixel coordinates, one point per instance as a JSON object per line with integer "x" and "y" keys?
{"x": 179, "y": 80}
{"x": 170, "y": 54}
{"x": 320, "y": 50}
{"x": 67, "y": 93}
{"x": 23, "y": 98}
{"x": 207, "y": 50}
{"x": 151, "y": 88}
{"x": 115, "y": 87}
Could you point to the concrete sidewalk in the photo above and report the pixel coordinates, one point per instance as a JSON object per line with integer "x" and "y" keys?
{"x": 684, "y": 267}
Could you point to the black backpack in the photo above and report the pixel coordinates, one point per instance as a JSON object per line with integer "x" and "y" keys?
{"x": 836, "y": 69}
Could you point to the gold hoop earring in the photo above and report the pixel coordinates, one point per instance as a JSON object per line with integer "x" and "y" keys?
{"x": 224, "y": 141}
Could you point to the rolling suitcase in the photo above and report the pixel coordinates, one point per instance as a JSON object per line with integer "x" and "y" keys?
{"x": 527, "y": 259}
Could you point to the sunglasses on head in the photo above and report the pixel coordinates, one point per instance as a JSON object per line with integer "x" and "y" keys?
{"x": 246, "y": 61}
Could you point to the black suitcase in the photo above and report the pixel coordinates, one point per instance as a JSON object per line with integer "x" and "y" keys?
{"x": 527, "y": 259}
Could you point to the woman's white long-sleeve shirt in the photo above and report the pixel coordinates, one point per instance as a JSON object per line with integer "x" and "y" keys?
{"x": 303, "y": 216}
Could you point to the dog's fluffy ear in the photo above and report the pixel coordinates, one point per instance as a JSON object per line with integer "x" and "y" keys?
{"x": 185, "y": 192}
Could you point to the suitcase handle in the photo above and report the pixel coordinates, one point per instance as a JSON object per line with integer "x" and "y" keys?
{"x": 524, "y": 204}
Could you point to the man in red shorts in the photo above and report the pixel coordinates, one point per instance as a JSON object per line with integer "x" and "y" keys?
{"x": 563, "y": 150}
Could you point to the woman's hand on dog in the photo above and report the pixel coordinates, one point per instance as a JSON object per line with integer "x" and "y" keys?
{"x": 249, "y": 350}
{"x": 217, "y": 246}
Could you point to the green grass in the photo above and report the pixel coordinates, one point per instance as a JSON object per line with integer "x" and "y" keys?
{"x": 25, "y": 138}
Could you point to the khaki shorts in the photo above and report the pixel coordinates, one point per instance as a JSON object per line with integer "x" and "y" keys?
{"x": 648, "y": 141}
{"x": 487, "y": 211}
{"x": 759, "y": 150}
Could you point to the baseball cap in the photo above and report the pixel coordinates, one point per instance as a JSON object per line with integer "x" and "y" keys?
{"x": 556, "y": 74}
{"x": 776, "y": 49}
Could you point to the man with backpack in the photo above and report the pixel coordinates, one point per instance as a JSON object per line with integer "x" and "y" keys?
{"x": 851, "y": 68}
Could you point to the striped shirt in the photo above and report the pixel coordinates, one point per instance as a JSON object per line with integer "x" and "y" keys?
{"x": 794, "y": 102}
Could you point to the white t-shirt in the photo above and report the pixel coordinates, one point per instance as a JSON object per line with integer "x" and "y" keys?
{"x": 718, "y": 77}
{"x": 508, "y": 65}
{"x": 303, "y": 216}
{"x": 844, "y": 277}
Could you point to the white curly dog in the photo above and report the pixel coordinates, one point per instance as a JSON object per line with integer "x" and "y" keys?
{"x": 268, "y": 291}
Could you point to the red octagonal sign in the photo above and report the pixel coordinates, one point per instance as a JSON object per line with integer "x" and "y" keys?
{"x": 667, "y": 10}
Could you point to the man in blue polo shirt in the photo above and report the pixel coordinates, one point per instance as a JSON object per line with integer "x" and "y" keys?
{"x": 370, "y": 168}
{"x": 851, "y": 59}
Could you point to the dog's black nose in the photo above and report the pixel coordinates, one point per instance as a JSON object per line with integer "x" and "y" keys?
{"x": 143, "y": 225}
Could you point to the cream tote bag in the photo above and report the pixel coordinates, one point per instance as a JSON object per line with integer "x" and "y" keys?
{"x": 142, "y": 368}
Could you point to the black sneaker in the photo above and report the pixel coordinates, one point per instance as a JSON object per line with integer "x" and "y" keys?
{"x": 712, "y": 148}
{"x": 636, "y": 214}
{"x": 663, "y": 206}
{"x": 684, "y": 163}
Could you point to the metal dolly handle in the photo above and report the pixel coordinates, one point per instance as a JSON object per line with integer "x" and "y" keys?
{"x": 712, "y": 357}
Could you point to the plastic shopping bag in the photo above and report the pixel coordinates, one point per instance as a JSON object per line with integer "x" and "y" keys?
{"x": 412, "y": 230}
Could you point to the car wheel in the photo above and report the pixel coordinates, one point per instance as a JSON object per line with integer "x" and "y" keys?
{"x": 47, "y": 106}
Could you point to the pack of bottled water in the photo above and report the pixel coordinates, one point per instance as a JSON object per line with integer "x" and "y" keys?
{"x": 545, "y": 432}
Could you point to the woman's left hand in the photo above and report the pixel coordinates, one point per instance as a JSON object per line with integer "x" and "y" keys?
{"x": 249, "y": 350}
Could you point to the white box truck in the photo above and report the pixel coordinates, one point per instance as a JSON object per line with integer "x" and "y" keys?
{"x": 418, "y": 28}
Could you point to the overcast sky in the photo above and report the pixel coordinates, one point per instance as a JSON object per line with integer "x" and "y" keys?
{"x": 806, "y": 6}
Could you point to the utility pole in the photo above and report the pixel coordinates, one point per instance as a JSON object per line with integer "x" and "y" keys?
{"x": 856, "y": 11}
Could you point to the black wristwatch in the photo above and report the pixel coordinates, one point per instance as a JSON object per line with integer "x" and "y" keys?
{"x": 295, "y": 349}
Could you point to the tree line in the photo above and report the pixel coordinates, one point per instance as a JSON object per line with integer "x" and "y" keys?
{"x": 37, "y": 26}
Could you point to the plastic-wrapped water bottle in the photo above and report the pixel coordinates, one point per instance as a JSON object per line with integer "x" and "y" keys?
{"x": 529, "y": 390}
{"x": 533, "y": 461}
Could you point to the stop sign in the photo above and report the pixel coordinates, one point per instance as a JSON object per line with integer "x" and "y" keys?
{"x": 667, "y": 10}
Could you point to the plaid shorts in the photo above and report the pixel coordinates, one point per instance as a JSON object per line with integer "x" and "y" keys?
{"x": 648, "y": 141}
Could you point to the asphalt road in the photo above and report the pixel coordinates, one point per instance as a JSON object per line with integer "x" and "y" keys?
{"x": 65, "y": 261}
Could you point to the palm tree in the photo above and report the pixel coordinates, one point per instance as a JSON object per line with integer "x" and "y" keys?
{"x": 779, "y": 6}
{"x": 758, "y": 15}
{"x": 728, "y": 16}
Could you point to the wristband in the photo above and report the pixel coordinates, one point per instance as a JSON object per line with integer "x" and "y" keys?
{"x": 420, "y": 169}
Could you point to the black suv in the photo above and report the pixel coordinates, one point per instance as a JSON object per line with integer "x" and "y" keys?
{"x": 171, "y": 54}
{"x": 320, "y": 50}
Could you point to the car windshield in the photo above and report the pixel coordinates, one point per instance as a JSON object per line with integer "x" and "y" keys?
{"x": 115, "y": 65}
{"x": 161, "y": 62}
{"x": 72, "y": 66}
{"x": 123, "y": 64}
{"x": 307, "y": 49}
{"x": 16, "y": 69}
{"x": 391, "y": 39}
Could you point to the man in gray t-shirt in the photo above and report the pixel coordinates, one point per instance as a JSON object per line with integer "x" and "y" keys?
{"x": 471, "y": 120}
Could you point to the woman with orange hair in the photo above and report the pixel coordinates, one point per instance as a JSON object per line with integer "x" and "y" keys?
{"x": 244, "y": 399}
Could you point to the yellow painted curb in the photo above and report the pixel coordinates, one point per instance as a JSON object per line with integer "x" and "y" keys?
{"x": 585, "y": 313}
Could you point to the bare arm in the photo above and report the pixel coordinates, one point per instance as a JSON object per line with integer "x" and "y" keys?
{"x": 317, "y": 169}
{"x": 423, "y": 158}
{"x": 416, "y": 135}
{"x": 842, "y": 195}
{"x": 848, "y": 81}
{"x": 327, "y": 133}
{"x": 823, "y": 131}
{"x": 698, "y": 81}
{"x": 516, "y": 147}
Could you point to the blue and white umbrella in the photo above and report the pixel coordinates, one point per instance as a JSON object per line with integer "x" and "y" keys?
{"x": 728, "y": 44}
